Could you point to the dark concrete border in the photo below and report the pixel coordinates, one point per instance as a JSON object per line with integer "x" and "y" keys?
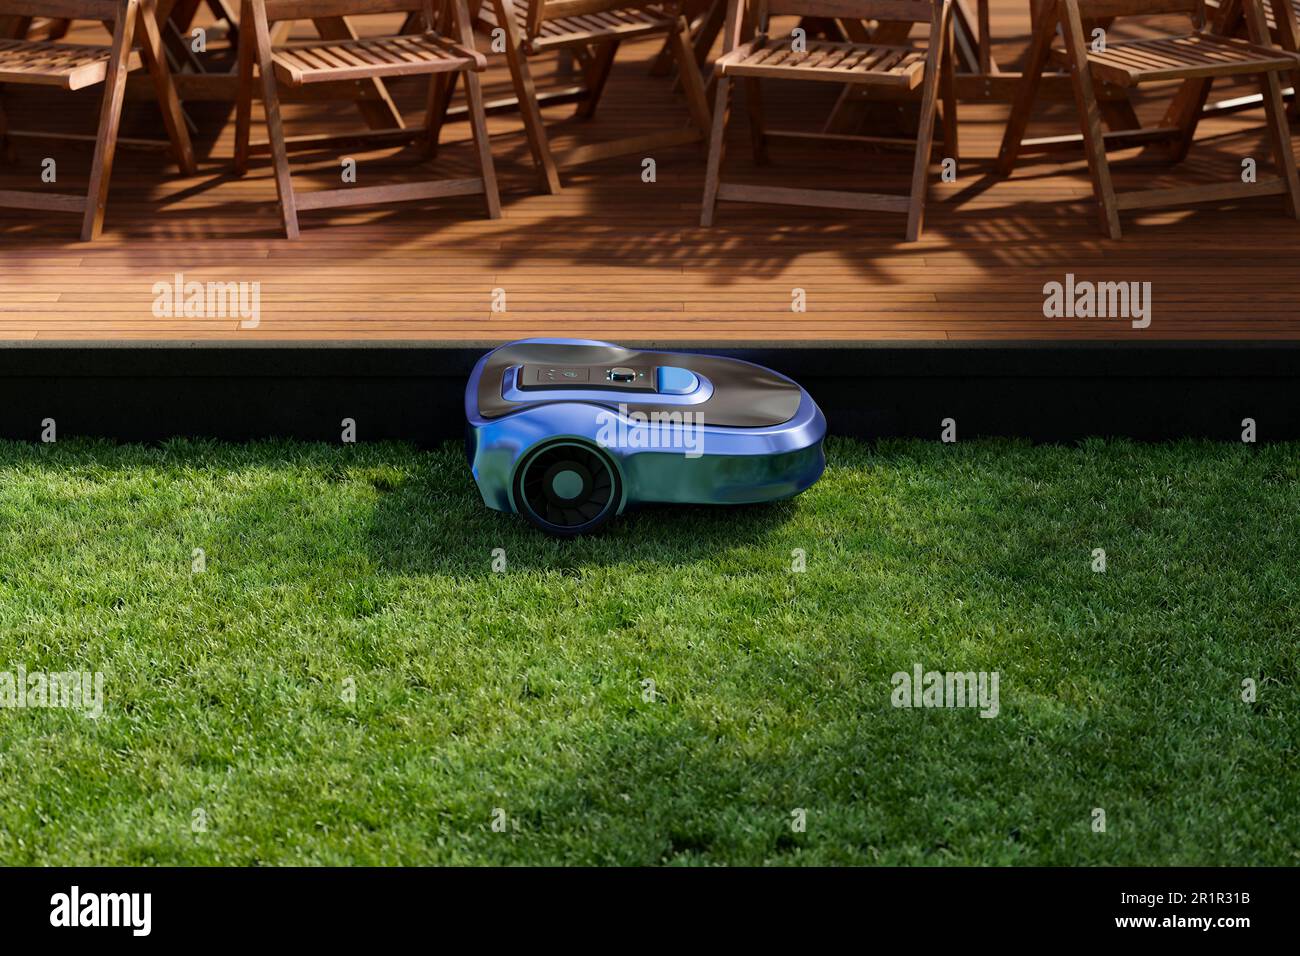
{"x": 1044, "y": 391}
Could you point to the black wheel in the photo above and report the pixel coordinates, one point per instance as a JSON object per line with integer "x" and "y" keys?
{"x": 567, "y": 488}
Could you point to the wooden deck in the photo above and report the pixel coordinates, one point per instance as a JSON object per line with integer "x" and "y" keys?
{"x": 616, "y": 258}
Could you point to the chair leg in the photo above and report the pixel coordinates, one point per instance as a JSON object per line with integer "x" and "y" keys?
{"x": 1085, "y": 101}
{"x": 441, "y": 88}
{"x": 597, "y": 76}
{"x": 1279, "y": 133}
{"x": 155, "y": 59}
{"x": 1184, "y": 113}
{"x": 757, "y": 131}
{"x": 924, "y": 144}
{"x": 717, "y": 141}
{"x": 565, "y": 59}
{"x": 662, "y": 64}
{"x": 1117, "y": 111}
{"x": 221, "y": 12}
{"x": 478, "y": 123}
{"x": 244, "y": 93}
{"x": 948, "y": 82}
{"x": 526, "y": 93}
{"x": 274, "y": 128}
{"x": 6, "y": 147}
{"x": 1289, "y": 41}
{"x": 708, "y": 31}
{"x": 842, "y": 118}
{"x": 110, "y": 116}
{"x": 380, "y": 112}
{"x": 1039, "y": 50}
{"x": 692, "y": 82}
{"x": 1188, "y": 105}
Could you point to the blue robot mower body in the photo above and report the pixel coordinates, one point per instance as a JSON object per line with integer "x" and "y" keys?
{"x": 570, "y": 433}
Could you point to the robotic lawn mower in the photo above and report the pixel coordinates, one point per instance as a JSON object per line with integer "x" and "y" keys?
{"x": 570, "y": 433}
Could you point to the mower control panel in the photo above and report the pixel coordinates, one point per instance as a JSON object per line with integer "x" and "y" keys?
{"x": 664, "y": 380}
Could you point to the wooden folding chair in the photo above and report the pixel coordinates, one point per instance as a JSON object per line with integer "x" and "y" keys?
{"x": 893, "y": 66}
{"x": 72, "y": 66}
{"x": 535, "y": 26}
{"x": 570, "y": 84}
{"x": 1283, "y": 22}
{"x": 300, "y": 63}
{"x": 1199, "y": 56}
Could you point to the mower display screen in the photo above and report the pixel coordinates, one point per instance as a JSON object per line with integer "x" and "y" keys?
{"x": 623, "y": 378}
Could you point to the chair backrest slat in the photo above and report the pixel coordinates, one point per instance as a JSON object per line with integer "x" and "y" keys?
{"x": 61, "y": 9}
{"x": 915, "y": 11}
{"x": 539, "y": 11}
{"x": 308, "y": 9}
{"x": 1100, "y": 9}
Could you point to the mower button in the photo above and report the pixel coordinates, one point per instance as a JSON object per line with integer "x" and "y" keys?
{"x": 672, "y": 380}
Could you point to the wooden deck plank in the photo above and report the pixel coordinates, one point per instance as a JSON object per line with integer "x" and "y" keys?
{"x": 614, "y": 257}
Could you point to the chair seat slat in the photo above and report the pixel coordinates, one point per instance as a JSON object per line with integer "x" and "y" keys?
{"x": 320, "y": 61}
{"x": 1134, "y": 61}
{"x": 68, "y": 65}
{"x": 584, "y": 28}
{"x": 851, "y": 62}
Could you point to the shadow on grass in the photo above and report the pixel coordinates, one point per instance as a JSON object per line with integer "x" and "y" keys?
{"x": 434, "y": 521}
{"x": 419, "y": 513}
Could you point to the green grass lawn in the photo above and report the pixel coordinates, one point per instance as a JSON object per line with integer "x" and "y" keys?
{"x": 371, "y": 567}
